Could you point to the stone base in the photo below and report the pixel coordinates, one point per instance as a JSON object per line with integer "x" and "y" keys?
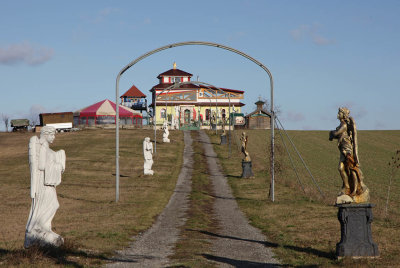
{"x": 247, "y": 172}
{"x": 223, "y": 139}
{"x": 356, "y": 235}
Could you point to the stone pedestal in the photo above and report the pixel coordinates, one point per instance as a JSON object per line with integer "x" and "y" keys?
{"x": 247, "y": 172}
{"x": 223, "y": 139}
{"x": 356, "y": 236}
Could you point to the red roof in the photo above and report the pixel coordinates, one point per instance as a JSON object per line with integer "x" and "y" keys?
{"x": 174, "y": 72}
{"x": 134, "y": 92}
{"x": 106, "y": 107}
{"x": 191, "y": 86}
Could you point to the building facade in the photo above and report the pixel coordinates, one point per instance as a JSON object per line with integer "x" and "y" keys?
{"x": 177, "y": 99}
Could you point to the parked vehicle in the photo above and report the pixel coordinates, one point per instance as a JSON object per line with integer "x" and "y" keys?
{"x": 60, "y": 121}
{"x": 19, "y": 124}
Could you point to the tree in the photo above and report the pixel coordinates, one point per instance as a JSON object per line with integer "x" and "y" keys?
{"x": 34, "y": 112}
{"x": 6, "y": 120}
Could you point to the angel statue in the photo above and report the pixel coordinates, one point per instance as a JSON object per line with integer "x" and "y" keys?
{"x": 244, "y": 140}
{"x": 166, "y": 132}
{"x": 148, "y": 156}
{"x": 46, "y": 167}
{"x": 353, "y": 189}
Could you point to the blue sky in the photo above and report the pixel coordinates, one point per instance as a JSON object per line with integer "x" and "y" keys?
{"x": 60, "y": 56}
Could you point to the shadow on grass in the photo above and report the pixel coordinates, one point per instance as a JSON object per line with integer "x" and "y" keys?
{"x": 331, "y": 255}
{"x": 265, "y": 243}
{"x": 308, "y": 250}
{"x": 234, "y": 176}
{"x": 42, "y": 256}
{"x": 239, "y": 263}
{"x": 121, "y": 175}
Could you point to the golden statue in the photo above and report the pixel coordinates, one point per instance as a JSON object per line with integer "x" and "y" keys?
{"x": 353, "y": 189}
{"x": 244, "y": 140}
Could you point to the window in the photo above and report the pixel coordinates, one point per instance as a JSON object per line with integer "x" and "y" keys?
{"x": 223, "y": 113}
{"x": 162, "y": 113}
{"x": 177, "y": 79}
{"x": 207, "y": 114}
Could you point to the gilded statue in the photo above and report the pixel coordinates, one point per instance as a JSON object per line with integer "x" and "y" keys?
{"x": 244, "y": 140}
{"x": 353, "y": 189}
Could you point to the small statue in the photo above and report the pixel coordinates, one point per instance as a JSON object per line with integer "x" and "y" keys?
{"x": 148, "y": 156}
{"x": 244, "y": 140}
{"x": 353, "y": 189}
{"x": 46, "y": 167}
{"x": 223, "y": 126}
{"x": 166, "y": 132}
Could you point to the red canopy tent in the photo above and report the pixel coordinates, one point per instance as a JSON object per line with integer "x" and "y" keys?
{"x": 103, "y": 112}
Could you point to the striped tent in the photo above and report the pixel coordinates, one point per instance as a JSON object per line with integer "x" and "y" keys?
{"x": 103, "y": 112}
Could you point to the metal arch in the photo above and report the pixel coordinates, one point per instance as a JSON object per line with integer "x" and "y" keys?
{"x": 123, "y": 70}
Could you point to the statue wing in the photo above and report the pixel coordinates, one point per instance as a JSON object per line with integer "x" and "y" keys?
{"x": 355, "y": 141}
{"x": 33, "y": 164}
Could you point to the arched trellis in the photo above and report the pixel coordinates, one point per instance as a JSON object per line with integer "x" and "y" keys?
{"x": 201, "y": 43}
{"x": 176, "y": 85}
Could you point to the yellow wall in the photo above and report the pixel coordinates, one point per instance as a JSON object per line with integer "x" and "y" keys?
{"x": 171, "y": 110}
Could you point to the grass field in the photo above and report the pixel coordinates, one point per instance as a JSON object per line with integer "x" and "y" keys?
{"x": 89, "y": 219}
{"x": 303, "y": 224}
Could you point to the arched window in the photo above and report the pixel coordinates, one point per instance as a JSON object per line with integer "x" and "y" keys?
{"x": 207, "y": 114}
{"x": 163, "y": 113}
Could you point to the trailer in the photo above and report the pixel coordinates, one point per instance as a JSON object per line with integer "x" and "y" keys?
{"x": 19, "y": 124}
{"x": 60, "y": 121}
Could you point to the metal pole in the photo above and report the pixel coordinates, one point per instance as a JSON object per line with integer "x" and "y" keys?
{"x": 155, "y": 122}
{"x": 230, "y": 150}
{"x": 272, "y": 187}
{"x": 216, "y": 113}
{"x": 117, "y": 141}
{"x": 123, "y": 70}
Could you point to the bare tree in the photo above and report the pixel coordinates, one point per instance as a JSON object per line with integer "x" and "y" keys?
{"x": 6, "y": 120}
{"x": 33, "y": 116}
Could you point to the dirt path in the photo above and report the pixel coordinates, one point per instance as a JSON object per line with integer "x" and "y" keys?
{"x": 237, "y": 243}
{"x": 152, "y": 248}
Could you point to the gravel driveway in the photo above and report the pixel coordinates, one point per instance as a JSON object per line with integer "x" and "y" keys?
{"x": 235, "y": 244}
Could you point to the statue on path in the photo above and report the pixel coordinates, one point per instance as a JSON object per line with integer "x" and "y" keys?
{"x": 353, "y": 189}
{"x": 244, "y": 140}
{"x": 166, "y": 132}
{"x": 148, "y": 156}
{"x": 46, "y": 167}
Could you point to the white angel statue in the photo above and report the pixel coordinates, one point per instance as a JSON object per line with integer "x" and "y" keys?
{"x": 148, "y": 156}
{"x": 46, "y": 167}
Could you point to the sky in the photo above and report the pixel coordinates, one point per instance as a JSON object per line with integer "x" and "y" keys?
{"x": 59, "y": 56}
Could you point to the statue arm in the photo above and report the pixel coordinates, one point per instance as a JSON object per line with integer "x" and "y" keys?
{"x": 42, "y": 157}
{"x": 335, "y": 134}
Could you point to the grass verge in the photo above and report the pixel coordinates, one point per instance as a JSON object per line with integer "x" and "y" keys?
{"x": 89, "y": 219}
{"x": 304, "y": 224}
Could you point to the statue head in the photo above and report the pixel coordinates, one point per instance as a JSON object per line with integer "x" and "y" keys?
{"x": 343, "y": 113}
{"x": 147, "y": 139}
{"x": 48, "y": 133}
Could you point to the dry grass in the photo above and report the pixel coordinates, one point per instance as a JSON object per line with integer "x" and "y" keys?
{"x": 88, "y": 217}
{"x": 304, "y": 225}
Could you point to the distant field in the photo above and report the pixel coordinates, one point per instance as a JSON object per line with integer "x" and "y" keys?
{"x": 304, "y": 226}
{"x": 88, "y": 218}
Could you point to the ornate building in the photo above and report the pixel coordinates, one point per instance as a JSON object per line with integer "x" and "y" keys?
{"x": 191, "y": 102}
